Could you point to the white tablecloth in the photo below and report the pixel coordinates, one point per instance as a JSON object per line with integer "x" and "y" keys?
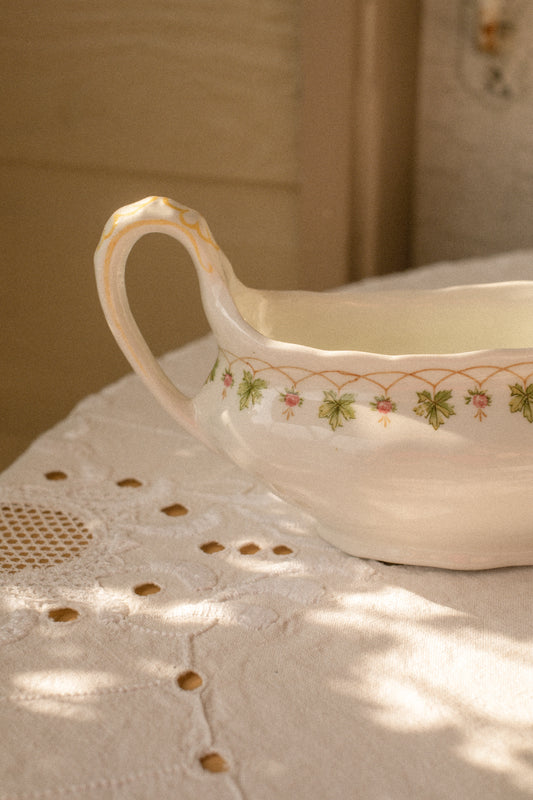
{"x": 189, "y": 636}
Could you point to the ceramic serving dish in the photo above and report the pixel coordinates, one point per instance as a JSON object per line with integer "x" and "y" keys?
{"x": 402, "y": 421}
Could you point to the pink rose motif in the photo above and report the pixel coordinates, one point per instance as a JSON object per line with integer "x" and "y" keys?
{"x": 480, "y": 401}
{"x": 227, "y": 380}
{"x": 384, "y": 406}
{"x": 292, "y": 399}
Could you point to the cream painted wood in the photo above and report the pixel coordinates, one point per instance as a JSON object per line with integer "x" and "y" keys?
{"x": 106, "y": 102}
{"x": 199, "y": 89}
{"x": 383, "y": 144}
{"x": 359, "y": 73}
{"x": 326, "y": 142}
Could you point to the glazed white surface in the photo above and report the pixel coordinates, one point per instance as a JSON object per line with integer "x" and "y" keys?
{"x": 423, "y": 458}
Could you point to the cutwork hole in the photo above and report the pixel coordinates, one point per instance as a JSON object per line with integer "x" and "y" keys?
{"x": 132, "y": 483}
{"x": 55, "y": 475}
{"x": 249, "y": 549}
{"x": 63, "y": 614}
{"x": 211, "y": 547}
{"x": 189, "y": 681}
{"x": 281, "y": 550}
{"x": 175, "y": 510}
{"x": 144, "y": 589}
{"x": 213, "y": 762}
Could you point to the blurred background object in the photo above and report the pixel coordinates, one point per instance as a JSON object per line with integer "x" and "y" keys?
{"x": 323, "y": 143}
{"x": 474, "y": 132}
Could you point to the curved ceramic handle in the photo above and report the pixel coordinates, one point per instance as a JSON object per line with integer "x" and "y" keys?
{"x": 123, "y": 229}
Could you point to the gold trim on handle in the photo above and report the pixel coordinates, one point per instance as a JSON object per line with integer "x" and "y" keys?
{"x": 206, "y": 236}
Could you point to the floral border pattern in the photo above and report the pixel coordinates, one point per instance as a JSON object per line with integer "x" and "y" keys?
{"x": 434, "y": 403}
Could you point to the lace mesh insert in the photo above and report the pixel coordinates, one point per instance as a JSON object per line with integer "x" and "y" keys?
{"x": 33, "y": 536}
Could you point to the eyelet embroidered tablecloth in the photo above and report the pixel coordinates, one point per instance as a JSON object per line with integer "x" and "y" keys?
{"x": 170, "y": 629}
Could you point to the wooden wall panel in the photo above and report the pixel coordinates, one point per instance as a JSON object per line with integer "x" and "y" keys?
{"x": 385, "y": 96}
{"x": 325, "y": 154}
{"x": 201, "y": 88}
{"x": 359, "y": 72}
{"x": 105, "y": 102}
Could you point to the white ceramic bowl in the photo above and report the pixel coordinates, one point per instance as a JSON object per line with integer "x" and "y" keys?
{"x": 402, "y": 420}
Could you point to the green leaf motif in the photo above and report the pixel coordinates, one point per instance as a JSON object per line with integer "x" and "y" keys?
{"x": 335, "y": 409}
{"x": 211, "y": 376}
{"x": 436, "y": 408}
{"x": 250, "y": 390}
{"x": 522, "y": 400}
